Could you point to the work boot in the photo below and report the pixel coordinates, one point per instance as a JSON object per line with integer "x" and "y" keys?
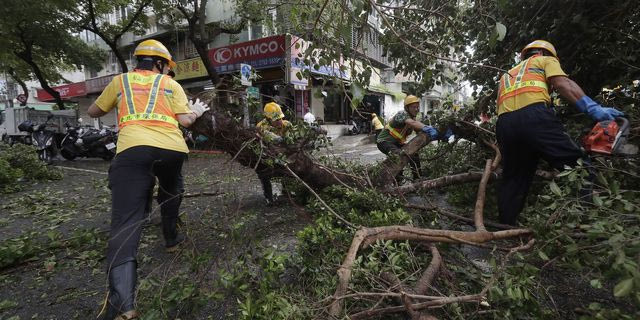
{"x": 122, "y": 290}
{"x": 267, "y": 190}
{"x": 174, "y": 245}
{"x": 171, "y": 236}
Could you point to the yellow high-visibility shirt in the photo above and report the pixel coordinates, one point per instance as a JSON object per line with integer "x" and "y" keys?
{"x": 141, "y": 135}
{"x": 377, "y": 125}
{"x": 270, "y": 132}
{"x": 550, "y": 66}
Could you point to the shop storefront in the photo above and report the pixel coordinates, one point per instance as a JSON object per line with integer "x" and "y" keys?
{"x": 266, "y": 56}
{"x": 277, "y": 62}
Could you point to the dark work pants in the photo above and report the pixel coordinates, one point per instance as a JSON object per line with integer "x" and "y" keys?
{"x": 525, "y": 136}
{"x": 265, "y": 175}
{"x": 389, "y": 148}
{"x": 131, "y": 179}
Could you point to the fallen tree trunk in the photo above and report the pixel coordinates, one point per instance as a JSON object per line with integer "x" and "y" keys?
{"x": 292, "y": 159}
{"x": 226, "y": 133}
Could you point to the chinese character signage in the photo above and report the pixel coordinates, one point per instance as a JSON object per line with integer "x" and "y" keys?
{"x": 191, "y": 68}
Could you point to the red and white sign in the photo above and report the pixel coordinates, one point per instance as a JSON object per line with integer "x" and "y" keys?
{"x": 66, "y": 91}
{"x": 264, "y": 48}
{"x": 98, "y": 84}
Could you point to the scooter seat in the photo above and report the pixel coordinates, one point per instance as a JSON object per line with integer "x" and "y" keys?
{"x": 91, "y": 138}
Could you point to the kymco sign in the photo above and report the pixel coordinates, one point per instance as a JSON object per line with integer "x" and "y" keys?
{"x": 261, "y": 53}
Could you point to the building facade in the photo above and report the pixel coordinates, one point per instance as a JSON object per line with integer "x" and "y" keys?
{"x": 276, "y": 59}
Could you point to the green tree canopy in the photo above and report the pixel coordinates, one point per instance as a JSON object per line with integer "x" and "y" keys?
{"x": 34, "y": 32}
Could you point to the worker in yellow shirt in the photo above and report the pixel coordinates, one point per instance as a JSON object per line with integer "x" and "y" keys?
{"x": 272, "y": 130}
{"x": 527, "y": 128}
{"x": 149, "y": 106}
{"x": 394, "y": 135}
{"x": 376, "y": 124}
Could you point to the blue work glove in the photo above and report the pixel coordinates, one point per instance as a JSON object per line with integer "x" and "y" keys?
{"x": 446, "y": 135}
{"x": 431, "y": 132}
{"x": 596, "y": 111}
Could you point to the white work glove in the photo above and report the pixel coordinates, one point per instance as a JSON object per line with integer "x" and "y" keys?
{"x": 198, "y": 107}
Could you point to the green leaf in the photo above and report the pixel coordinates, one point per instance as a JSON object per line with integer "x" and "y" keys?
{"x": 596, "y": 283}
{"x": 555, "y": 189}
{"x": 615, "y": 187}
{"x": 564, "y": 173}
{"x": 493, "y": 37}
{"x": 501, "y": 31}
{"x": 597, "y": 201}
{"x": 623, "y": 288}
{"x": 602, "y": 180}
{"x": 620, "y": 257}
{"x": 543, "y": 256}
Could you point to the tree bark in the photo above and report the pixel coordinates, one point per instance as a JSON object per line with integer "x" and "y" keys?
{"x": 227, "y": 134}
{"x": 200, "y": 36}
{"x": 366, "y": 236}
{"x": 113, "y": 42}
{"x": 197, "y": 36}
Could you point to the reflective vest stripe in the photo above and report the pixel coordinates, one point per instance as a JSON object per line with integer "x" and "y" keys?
{"x": 149, "y": 117}
{"x": 523, "y": 67}
{"x": 398, "y": 135}
{"x": 148, "y": 114}
{"x": 128, "y": 94}
{"x": 505, "y": 80}
{"x": 151, "y": 104}
{"x": 524, "y": 82}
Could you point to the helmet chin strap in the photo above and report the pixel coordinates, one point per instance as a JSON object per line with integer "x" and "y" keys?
{"x": 160, "y": 66}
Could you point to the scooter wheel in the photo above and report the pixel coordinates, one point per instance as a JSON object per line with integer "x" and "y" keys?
{"x": 45, "y": 156}
{"x": 108, "y": 156}
{"x": 67, "y": 155}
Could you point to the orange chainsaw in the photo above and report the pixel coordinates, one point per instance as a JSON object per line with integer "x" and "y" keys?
{"x": 609, "y": 137}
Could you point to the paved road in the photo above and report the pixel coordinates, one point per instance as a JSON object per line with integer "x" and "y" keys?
{"x": 359, "y": 147}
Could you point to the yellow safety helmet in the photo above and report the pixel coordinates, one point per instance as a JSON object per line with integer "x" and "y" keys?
{"x": 411, "y": 99}
{"x": 373, "y": 115}
{"x": 154, "y": 48}
{"x": 273, "y": 111}
{"x": 540, "y": 44}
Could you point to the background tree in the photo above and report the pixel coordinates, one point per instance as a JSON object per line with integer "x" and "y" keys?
{"x": 35, "y": 33}
{"x": 90, "y": 15}
{"x": 17, "y": 70}
{"x": 202, "y": 32}
{"x": 597, "y": 42}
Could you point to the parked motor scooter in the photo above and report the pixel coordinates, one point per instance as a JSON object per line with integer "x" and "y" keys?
{"x": 88, "y": 142}
{"x": 42, "y": 139}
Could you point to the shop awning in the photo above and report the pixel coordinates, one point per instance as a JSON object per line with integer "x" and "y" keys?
{"x": 381, "y": 88}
